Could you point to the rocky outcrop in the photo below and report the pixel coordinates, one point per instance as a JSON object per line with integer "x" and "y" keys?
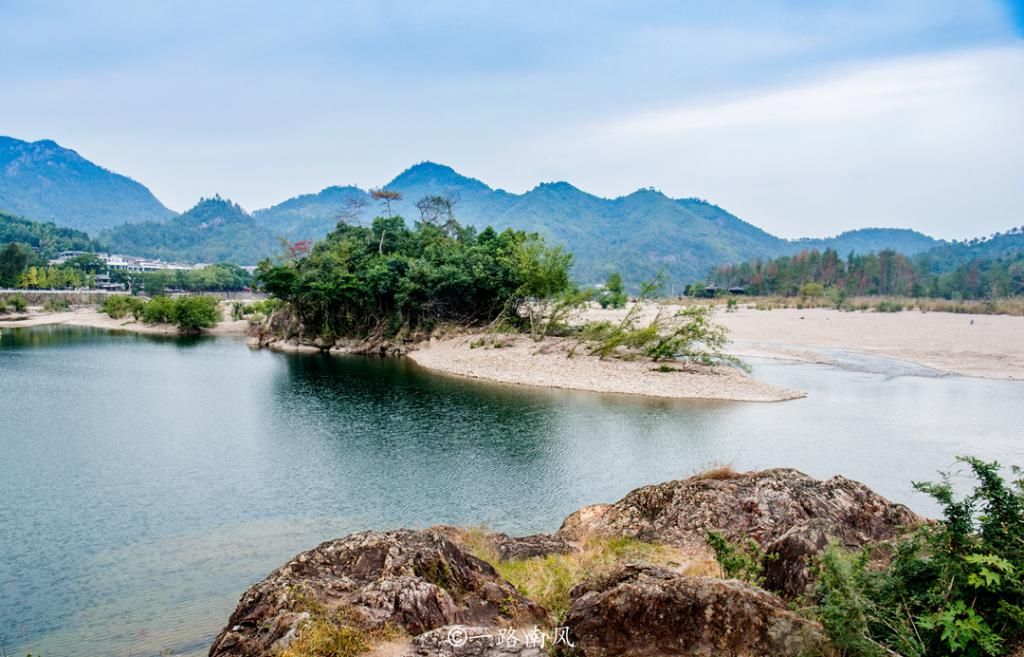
{"x": 415, "y": 580}
{"x": 641, "y": 610}
{"x": 427, "y": 584}
{"x": 787, "y": 512}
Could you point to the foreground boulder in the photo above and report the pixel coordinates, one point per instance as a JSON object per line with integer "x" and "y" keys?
{"x": 787, "y": 512}
{"x": 641, "y": 610}
{"x": 413, "y": 580}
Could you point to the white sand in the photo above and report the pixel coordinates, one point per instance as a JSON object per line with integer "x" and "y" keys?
{"x": 547, "y": 363}
{"x": 990, "y": 346}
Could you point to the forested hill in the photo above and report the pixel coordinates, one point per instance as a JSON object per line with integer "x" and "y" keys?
{"x": 977, "y": 269}
{"x": 44, "y": 238}
{"x": 45, "y": 182}
{"x": 640, "y": 234}
{"x": 215, "y": 230}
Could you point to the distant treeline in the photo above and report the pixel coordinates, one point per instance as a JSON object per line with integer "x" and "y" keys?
{"x": 977, "y": 269}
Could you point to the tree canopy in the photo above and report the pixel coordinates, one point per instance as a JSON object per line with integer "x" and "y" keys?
{"x": 375, "y": 281}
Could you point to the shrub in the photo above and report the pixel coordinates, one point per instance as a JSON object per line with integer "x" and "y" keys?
{"x": 56, "y": 304}
{"x": 951, "y": 588}
{"x": 812, "y": 290}
{"x": 159, "y": 310}
{"x": 614, "y": 293}
{"x": 743, "y": 559}
{"x": 194, "y": 313}
{"x": 886, "y": 306}
{"x": 17, "y": 302}
{"x": 120, "y": 305}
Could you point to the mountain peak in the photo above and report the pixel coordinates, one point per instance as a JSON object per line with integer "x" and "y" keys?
{"x": 430, "y": 176}
{"x": 45, "y": 181}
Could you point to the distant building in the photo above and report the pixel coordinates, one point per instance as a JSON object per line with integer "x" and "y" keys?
{"x": 132, "y": 264}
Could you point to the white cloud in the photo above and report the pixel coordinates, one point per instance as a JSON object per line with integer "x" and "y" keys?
{"x": 934, "y": 143}
{"x": 919, "y": 83}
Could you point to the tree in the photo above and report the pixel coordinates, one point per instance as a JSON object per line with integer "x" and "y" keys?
{"x": 386, "y": 196}
{"x": 614, "y": 293}
{"x": 89, "y": 263}
{"x": 352, "y": 209}
{"x": 13, "y": 260}
{"x": 376, "y": 281}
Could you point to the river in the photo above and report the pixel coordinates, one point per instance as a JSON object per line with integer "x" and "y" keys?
{"x": 147, "y": 481}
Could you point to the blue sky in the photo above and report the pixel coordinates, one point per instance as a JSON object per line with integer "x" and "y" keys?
{"x": 804, "y": 118}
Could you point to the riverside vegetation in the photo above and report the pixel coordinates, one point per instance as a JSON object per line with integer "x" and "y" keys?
{"x": 386, "y": 284}
{"x": 189, "y": 313}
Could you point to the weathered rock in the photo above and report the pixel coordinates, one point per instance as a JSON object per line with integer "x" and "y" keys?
{"x": 512, "y": 547}
{"x": 784, "y": 510}
{"x": 461, "y": 641}
{"x": 643, "y": 610}
{"x": 791, "y": 572}
{"x": 525, "y": 547}
{"x": 417, "y": 580}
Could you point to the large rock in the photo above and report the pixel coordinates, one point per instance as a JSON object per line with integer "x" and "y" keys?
{"x": 787, "y": 512}
{"x": 642, "y": 610}
{"x": 416, "y": 580}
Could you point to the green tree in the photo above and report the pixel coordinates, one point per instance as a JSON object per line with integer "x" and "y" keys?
{"x": 194, "y": 313}
{"x": 13, "y": 260}
{"x": 614, "y": 293}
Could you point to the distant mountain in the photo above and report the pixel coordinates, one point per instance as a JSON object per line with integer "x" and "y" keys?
{"x": 215, "y": 230}
{"x": 949, "y": 256}
{"x": 45, "y": 238}
{"x": 310, "y": 215}
{"x": 868, "y": 240}
{"x": 639, "y": 235}
{"x": 45, "y": 182}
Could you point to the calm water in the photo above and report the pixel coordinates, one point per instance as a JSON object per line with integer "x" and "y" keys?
{"x": 146, "y": 482}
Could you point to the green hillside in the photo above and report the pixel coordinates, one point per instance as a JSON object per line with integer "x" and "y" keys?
{"x": 640, "y": 235}
{"x": 215, "y": 230}
{"x": 46, "y": 239}
{"x": 45, "y": 182}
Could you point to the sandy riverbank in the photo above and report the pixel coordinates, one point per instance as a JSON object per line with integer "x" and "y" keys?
{"x": 90, "y": 317}
{"x": 989, "y": 346}
{"x": 522, "y": 361}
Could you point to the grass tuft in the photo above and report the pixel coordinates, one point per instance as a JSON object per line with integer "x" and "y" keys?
{"x": 548, "y": 580}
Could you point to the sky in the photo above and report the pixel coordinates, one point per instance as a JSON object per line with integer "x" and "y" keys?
{"x": 803, "y": 118}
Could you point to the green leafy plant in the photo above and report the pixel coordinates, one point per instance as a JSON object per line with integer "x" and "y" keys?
{"x": 613, "y": 295}
{"x": 17, "y": 302}
{"x": 159, "y": 310}
{"x": 194, "y": 313}
{"x": 743, "y": 559}
{"x": 953, "y": 587}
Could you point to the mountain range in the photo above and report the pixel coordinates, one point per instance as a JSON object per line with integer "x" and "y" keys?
{"x": 640, "y": 234}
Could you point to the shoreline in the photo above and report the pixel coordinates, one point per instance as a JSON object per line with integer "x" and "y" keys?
{"x": 91, "y": 318}
{"x": 521, "y": 361}
{"x": 979, "y": 346}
